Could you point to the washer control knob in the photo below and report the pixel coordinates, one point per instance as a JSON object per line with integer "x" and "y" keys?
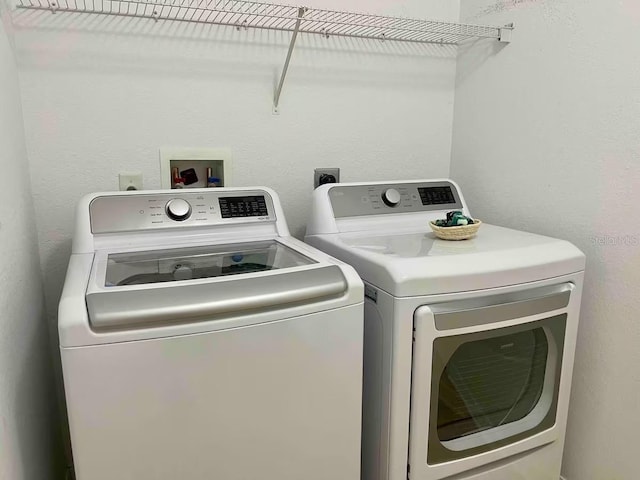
{"x": 391, "y": 197}
{"x": 178, "y": 209}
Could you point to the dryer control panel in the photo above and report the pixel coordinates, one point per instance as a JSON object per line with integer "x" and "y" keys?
{"x": 362, "y": 200}
{"x": 176, "y": 209}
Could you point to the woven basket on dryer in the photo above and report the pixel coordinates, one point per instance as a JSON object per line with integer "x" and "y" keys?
{"x": 462, "y": 232}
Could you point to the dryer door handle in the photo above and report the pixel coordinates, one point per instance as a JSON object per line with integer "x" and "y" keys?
{"x": 501, "y": 307}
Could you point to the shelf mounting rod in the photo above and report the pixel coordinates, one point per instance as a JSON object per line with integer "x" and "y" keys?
{"x": 283, "y": 76}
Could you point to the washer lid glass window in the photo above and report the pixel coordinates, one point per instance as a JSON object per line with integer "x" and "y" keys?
{"x": 139, "y": 268}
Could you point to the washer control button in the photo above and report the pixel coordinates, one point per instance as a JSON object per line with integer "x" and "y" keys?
{"x": 178, "y": 209}
{"x": 391, "y": 197}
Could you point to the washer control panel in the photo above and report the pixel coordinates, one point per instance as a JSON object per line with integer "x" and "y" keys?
{"x": 138, "y": 212}
{"x": 362, "y": 200}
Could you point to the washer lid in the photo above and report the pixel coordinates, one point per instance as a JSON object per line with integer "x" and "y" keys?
{"x": 164, "y": 287}
{"x": 417, "y": 263}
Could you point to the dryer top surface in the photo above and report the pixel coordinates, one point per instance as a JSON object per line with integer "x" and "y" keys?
{"x": 415, "y": 263}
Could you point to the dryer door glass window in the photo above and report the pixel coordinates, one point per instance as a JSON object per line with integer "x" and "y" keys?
{"x": 493, "y": 388}
{"x": 491, "y": 382}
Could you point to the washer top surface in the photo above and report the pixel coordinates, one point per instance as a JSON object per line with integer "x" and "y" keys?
{"x": 393, "y": 247}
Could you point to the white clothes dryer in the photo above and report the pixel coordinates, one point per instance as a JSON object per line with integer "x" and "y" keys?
{"x": 469, "y": 345}
{"x": 199, "y": 340}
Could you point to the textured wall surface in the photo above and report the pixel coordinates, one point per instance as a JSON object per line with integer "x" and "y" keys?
{"x": 28, "y": 424}
{"x": 546, "y": 139}
{"x": 102, "y": 95}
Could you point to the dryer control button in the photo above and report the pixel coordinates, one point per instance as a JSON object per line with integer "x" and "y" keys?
{"x": 178, "y": 209}
{"x": 391, "y": 197}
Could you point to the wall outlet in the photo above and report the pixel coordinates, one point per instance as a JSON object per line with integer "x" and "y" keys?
{"x": 322, "y": 176}
{"x": 130, "y": 181}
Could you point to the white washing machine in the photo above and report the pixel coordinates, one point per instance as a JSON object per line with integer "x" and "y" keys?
{"x": 469, "y": 345}
{"x": 200, "y": 341}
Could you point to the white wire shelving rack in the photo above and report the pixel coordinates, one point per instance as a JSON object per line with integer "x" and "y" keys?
{"x": 243, "y": 14}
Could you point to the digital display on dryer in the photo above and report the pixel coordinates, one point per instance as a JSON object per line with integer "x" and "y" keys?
{"x": 242, "y": 207}
{"x": 436, "y": 195}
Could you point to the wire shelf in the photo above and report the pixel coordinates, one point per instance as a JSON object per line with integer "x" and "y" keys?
{"x": 246, "y": 14}
{"x": 345, "y": 24}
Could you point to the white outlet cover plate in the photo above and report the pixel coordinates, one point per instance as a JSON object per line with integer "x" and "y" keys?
{"x": 130, "y": 181}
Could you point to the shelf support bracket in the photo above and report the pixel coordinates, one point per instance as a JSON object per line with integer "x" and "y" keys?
{"x": 292, "y": 45}
{"x": 505, "y": 33}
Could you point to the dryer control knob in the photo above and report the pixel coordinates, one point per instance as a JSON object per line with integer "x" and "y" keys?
{"x": 178, "y": 209}
{"x": 391, "y": 197}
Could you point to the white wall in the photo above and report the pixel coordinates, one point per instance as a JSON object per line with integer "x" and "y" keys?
{"x": 102, "y": 95}
{"x": 546, "y": 138}
{"x": 28, "y": 424}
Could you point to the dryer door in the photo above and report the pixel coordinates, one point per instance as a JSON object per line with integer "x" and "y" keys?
{"x": 486, "y": 375}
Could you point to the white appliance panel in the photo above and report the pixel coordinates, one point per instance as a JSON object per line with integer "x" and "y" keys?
{"x": 276, "y": 401}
